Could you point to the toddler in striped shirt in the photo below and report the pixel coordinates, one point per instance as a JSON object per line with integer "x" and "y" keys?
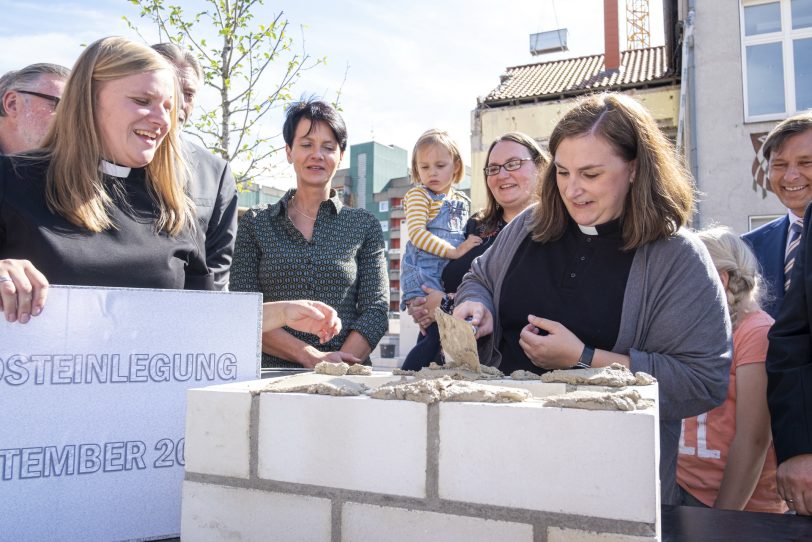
{"x": 436, "y": 214}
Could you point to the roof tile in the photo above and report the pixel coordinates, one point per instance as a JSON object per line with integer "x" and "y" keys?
{"x": 582, "y": 74}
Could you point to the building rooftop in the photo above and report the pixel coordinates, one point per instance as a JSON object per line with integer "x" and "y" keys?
{"x": 557, "y": 79}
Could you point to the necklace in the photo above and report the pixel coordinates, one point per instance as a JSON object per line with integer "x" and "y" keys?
{"x": 296, "y": 208}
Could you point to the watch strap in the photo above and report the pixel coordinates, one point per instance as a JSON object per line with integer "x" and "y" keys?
{"x": 585, "y": 361}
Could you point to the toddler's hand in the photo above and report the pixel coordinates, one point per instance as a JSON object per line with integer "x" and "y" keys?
{"x": 470, "y": 242}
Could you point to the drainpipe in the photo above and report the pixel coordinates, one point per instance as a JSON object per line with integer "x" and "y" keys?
{"x": 688, "y": 102}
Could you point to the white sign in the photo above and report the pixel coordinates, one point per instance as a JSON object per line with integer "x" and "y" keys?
{"x": 93, "y": 401}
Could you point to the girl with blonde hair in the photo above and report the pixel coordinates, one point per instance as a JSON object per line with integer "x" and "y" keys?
{"x": 102, "y": 203}
{"x": 436, "y": 216}
{"x": 734, "y": 465}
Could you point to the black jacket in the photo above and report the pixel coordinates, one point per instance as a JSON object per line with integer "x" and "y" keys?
{"x": 789, "y": 359}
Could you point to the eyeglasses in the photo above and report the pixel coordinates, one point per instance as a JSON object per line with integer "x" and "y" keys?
{"x": 53, "y": 99}
{"x": 510, "y": 165}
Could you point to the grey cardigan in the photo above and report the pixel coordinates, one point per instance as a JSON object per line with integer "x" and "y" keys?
{"x": 674, "y": 326}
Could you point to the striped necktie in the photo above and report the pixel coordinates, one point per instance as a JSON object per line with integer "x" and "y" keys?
{"x": 792, "y": 250}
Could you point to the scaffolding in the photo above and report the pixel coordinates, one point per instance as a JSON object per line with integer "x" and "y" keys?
{"x": 638, "y": 34}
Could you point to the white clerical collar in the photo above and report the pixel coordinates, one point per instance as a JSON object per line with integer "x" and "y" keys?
{"x": 588, "y": 230}
{"x": 114, "y": 170}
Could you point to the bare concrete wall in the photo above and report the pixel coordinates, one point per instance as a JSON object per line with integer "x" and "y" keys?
{"x": 724, "y": 149}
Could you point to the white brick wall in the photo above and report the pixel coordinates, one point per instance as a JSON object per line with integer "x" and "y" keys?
{"x": 219, "y": 513}
{"x": 525, "y": 456}
{"x": 365, "y": 523}
{"x": 352, "y": 443}
{"x": 550, "y": 459}
{"x": 217, "y": 421}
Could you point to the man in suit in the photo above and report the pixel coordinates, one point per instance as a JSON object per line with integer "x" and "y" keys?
{"x": 785, "y": 148}
{"x": 28, "y": 100}
{"x": 789, "y": 378}
{"x": 212, "y": 186}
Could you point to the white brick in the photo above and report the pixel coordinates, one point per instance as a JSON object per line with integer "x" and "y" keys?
{"x": 592, "y": 463}
{"x": 220, "y": 513}
{"x": 536, "y": 387}
{"x": 353, "y": 443}
{"x": 362, "y": 523}
{"x": 556, "y": 534}
{"x": 217, "y": 421}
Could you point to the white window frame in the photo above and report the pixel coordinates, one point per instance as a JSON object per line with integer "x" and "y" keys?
{"x": 785, "y": 37}
{"x": 384, "y": 225}
{"x": 756, "y": 221}
{"x": 383, "y": 206}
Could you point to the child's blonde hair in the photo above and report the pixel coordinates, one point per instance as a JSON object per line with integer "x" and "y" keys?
{"x": 437, "y": 137}
{"x": 731, "y": 254}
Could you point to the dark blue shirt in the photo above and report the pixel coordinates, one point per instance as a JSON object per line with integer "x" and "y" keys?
{"x": 343, "y": 265}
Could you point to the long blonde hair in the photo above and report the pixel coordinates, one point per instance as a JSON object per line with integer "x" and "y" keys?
{"x": 732, "y": 255}
{"x": 661, "y": 197}
{"x": 74, "y": 185}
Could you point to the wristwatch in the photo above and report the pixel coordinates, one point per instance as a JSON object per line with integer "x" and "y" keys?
{"x": 585, "y": 361}
{"x": 447, "y": 304}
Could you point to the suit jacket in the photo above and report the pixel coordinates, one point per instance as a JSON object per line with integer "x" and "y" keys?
{"x": 214, "y": 192}
{"x": 769, "y": 243}
{"x": 789, "y": 359}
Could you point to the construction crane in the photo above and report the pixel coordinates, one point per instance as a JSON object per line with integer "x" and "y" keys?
{"x": 638, "y": 34}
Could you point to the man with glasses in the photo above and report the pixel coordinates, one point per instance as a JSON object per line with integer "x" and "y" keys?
{"x": 212, "y": 186}
{"x": 28, "y": 101}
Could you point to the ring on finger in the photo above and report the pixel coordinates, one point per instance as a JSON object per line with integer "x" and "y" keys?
{"x": 6, "y": 278}
{"x": 789, "y": 501}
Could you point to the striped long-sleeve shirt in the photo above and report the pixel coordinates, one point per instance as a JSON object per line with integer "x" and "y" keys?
{"x": 420, "y": 209}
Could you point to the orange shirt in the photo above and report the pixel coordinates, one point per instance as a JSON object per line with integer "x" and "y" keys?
{"x": 705, "y": 440}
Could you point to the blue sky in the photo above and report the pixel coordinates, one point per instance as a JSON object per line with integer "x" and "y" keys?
{"x": 413, "y": 65}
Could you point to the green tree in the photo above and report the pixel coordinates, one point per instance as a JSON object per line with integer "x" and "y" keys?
{"x": 252, "y": 66}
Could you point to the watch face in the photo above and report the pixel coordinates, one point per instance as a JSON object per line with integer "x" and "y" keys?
{"x": 447, "y": 304}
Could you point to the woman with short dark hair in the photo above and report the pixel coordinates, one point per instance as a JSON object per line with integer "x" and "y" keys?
{"x": 310, "y": 245}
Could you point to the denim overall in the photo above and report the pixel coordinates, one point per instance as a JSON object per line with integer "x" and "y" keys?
{"x": 419, "y": 267}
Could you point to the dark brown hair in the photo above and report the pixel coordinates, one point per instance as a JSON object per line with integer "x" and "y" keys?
{"x": 797, "y": 124}
{"x": 661, "y": 197}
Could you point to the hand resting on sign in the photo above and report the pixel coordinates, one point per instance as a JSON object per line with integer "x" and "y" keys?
{"x": 23, "y": 290}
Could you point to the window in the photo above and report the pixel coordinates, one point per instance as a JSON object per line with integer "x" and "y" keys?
{"x": 756, "y": 221}
{"x": 776, "y": 57}
{"x": 384, "y": 225}
{"x": 383, "y": 206}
